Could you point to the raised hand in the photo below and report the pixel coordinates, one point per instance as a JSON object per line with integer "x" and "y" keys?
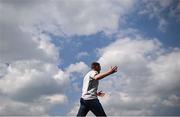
{"x": 113, "y": 69}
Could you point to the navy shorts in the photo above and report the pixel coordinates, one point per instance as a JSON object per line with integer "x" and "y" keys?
{"x": 90, "y": 105}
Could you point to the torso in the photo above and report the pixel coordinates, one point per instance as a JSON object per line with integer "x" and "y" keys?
{"x": 90, "y": 86}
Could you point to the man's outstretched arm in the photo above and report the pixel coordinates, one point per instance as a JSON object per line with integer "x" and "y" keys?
{"x": 104, "y": 74}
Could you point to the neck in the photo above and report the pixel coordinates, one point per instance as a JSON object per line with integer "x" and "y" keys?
{"x": 96, "y": 70}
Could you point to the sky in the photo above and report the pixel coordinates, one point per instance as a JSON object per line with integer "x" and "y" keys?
{"x": 47, "y": 46}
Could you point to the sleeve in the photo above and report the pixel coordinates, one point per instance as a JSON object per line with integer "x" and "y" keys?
{"x": 93, "y": 74}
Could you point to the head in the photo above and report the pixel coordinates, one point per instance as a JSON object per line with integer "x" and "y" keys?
{"x": 96, "y": 66}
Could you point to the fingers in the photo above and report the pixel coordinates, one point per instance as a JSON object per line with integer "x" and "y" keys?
{"x": 115, "y": 68}
{"x": 101, "y": 94}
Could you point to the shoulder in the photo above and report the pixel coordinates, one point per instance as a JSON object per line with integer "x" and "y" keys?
{"x": 92, "y": 73}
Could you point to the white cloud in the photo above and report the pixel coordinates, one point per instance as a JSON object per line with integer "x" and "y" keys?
{"x": 3, "y": 69}
{"x": 68, "y": 17}
{"x": 172, "y": 101}
{"x": 148, "y": 74}
{"x": 14, "y": 108}
{"x": 162, "y": 25}
{"x": 74, "y": 71}
{"x": 165, "y": 72}
{"x": 32, "y": 86}
{"x": 81, "y": 55}
{"x": 80, "y": 67}
{"x": 55, "y": 99}
{"x": 128, "y": 50}
{"x": 29, "y": 76}
{"x": 74, "y": 109}
{"x": 19, "y": 45}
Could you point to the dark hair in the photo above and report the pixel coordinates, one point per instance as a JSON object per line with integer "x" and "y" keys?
{"x": 94, "y": 64}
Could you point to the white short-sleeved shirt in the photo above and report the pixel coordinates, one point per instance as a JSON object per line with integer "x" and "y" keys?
{"x": 90, "y": 86}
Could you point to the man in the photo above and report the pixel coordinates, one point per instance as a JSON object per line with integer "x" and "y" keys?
{"x": 89, "y": 100}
